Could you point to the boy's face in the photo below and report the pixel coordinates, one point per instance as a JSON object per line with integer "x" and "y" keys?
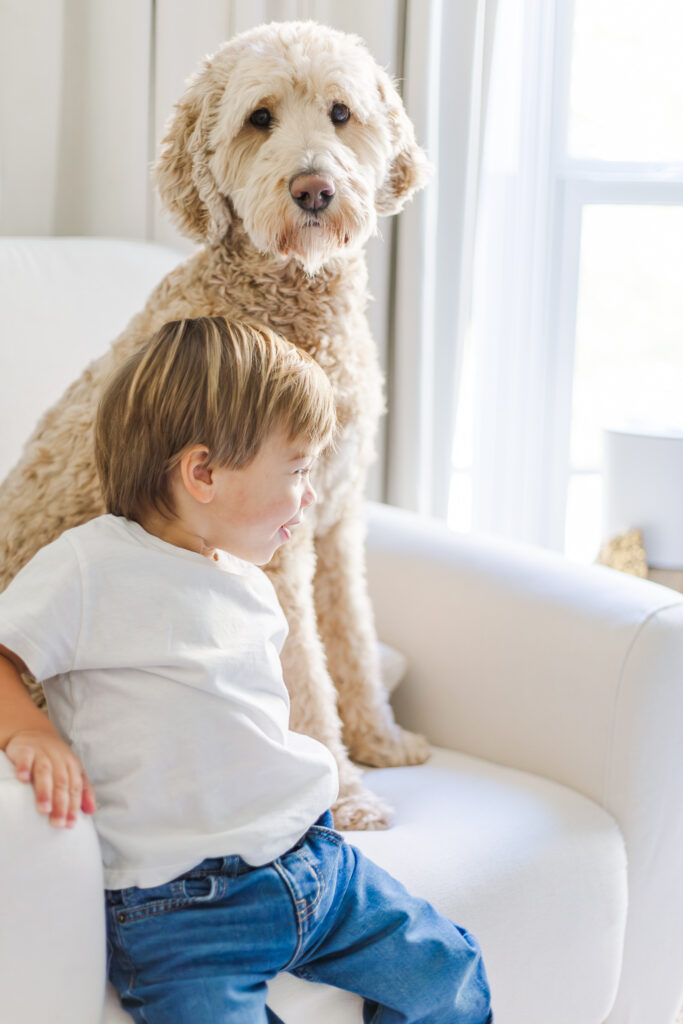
{"x": 253, "y": 510}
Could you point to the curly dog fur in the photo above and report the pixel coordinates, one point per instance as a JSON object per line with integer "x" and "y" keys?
{"x": 281, "y": 203}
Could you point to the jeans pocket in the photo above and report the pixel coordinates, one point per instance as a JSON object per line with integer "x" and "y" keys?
{"x": 137, "y": 904}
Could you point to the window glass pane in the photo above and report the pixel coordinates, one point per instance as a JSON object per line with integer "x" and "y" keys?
{"x": 584, "y": 517}
{"x": 629, "y": 334}
{"x": 626, "y": 95}
{"x": 460, "y": 502}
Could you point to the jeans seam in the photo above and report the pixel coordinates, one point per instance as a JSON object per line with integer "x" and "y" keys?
{"x": 313, "y": 905}
{"x": 122, "y": 955}
{"x": 292, "y": 895}
{"x": 327, "y": 833}
{"x": 140, "y": 913}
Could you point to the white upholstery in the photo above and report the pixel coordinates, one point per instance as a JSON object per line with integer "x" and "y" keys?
{"x": 550, "y": 819}
{"x": 43, "y": 345}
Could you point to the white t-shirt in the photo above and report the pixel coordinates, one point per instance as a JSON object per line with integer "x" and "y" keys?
{"x": 162, "y": 671}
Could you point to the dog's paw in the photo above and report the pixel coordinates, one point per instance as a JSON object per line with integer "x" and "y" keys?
{"x": 360, "y": 810}
{"x": 390, "y": 749}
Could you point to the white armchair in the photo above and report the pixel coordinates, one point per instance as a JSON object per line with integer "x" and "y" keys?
{"x": 549, "y": 820}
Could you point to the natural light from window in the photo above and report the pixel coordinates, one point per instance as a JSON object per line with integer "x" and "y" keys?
{"x": 626, "y": 105}
{"x": 629, "y": 342}
{"x": 626, "y": 95}
{"x": 616, "y": 179}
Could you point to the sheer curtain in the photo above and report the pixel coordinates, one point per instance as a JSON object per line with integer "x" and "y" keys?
{"x": 74, "y": 127}
{"x": 447, "y": 59}
{"x": 519, "y": 473}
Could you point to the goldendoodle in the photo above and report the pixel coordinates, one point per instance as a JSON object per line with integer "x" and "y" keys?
{"x": 286, "y": 146}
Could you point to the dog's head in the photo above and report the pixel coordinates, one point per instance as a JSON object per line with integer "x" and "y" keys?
{"x": 295, "y": 130}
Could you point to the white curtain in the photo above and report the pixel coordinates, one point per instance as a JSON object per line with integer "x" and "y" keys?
{"x": 447, "y": 61}
{"x": 74, "y": 99}
{"x": 85, "y": 89}
{"x": 519, "y": 476}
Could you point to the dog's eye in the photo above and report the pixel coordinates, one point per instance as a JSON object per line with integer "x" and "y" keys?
{"x": 261, "y": 118}
{"x": 340, "y": 113}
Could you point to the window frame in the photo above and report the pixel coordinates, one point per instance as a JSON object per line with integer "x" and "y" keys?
{"x": 576, "y": 184}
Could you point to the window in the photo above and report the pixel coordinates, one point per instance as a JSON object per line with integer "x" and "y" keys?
{"x": 623, "y": 184}
{"x": 608, "y": 292}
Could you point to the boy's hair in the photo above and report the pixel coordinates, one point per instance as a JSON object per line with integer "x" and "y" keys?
{"x": 207, "y": 381}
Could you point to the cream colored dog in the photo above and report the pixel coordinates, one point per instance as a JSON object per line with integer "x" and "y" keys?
{"x": 287, "y": 144}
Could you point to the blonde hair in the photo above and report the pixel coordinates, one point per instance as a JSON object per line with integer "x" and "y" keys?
{"x": 204, "y": 381}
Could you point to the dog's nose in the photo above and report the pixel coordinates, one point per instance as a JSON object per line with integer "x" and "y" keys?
{"x": 311, "y": 191}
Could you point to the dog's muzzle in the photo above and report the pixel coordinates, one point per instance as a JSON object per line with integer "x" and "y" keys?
{"x": 312, "y": 192}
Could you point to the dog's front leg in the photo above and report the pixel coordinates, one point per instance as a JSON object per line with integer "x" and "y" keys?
{"x": 312, "y": 694}
{"x": 346, "y": 626}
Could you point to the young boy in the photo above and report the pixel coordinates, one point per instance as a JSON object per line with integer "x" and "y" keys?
{"x": 158, "y": 639}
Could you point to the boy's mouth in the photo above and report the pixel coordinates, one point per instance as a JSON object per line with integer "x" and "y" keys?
{"x": 285, "y": 530}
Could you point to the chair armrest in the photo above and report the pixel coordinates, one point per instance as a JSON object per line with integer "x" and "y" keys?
{"x": 571, "y": 672}
{"x": 520, "y": 657}
{"x": 52, "y": 937}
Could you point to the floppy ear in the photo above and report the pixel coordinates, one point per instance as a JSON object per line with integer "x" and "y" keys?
{"x": 182, "y": 173}
{"x": 409, "y": 169}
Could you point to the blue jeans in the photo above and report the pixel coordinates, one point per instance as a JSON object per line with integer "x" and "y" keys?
{"x": 202, "y": 948}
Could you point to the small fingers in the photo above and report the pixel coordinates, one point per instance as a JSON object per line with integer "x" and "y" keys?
{"x": 60, "y": 785}
{"x": 43, "y": 783}
{"x": 75, "y": 793}
{"x": 58, "y": 789}
{"x": 72, "y": 792}
{"x": 66, "y": 795}
{"x": 23, "y": 760}
{"x": 88, "y": 802}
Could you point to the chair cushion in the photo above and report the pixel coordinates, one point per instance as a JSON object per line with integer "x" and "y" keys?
{"x": 62, "y": 303}
{"x": 535, "y": 870}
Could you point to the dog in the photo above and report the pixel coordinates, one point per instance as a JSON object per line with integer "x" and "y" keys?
{"x": 287, "y": 145}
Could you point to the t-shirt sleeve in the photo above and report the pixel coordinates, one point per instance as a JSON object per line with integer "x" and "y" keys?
{"x": 40, "y": 611}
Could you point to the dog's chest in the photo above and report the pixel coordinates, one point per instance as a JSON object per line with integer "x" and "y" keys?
{"x": 325, "y": 316}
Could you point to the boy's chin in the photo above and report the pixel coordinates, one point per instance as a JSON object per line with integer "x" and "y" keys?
{"x": 278, "y": 542}
{"x": 261, "y": 553}
{"x": 263, "y": 557}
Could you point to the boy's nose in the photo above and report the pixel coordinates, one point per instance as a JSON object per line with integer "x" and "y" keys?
{"x": 309, "y": 496}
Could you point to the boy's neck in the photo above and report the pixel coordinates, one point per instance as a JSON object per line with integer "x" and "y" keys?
{"x": 174, "y": 531}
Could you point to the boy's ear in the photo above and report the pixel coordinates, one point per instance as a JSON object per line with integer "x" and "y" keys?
{"x": 196, "y": 474}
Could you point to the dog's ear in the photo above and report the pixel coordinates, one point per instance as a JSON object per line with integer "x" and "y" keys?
{"x": 409, "y": 169}
{"x": 186, "y": 185}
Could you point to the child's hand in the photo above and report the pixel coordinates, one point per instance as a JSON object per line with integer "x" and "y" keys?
{"x": 61, "y": 786}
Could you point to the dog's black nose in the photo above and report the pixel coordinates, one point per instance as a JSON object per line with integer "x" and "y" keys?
{"x": 311, "y": 191}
